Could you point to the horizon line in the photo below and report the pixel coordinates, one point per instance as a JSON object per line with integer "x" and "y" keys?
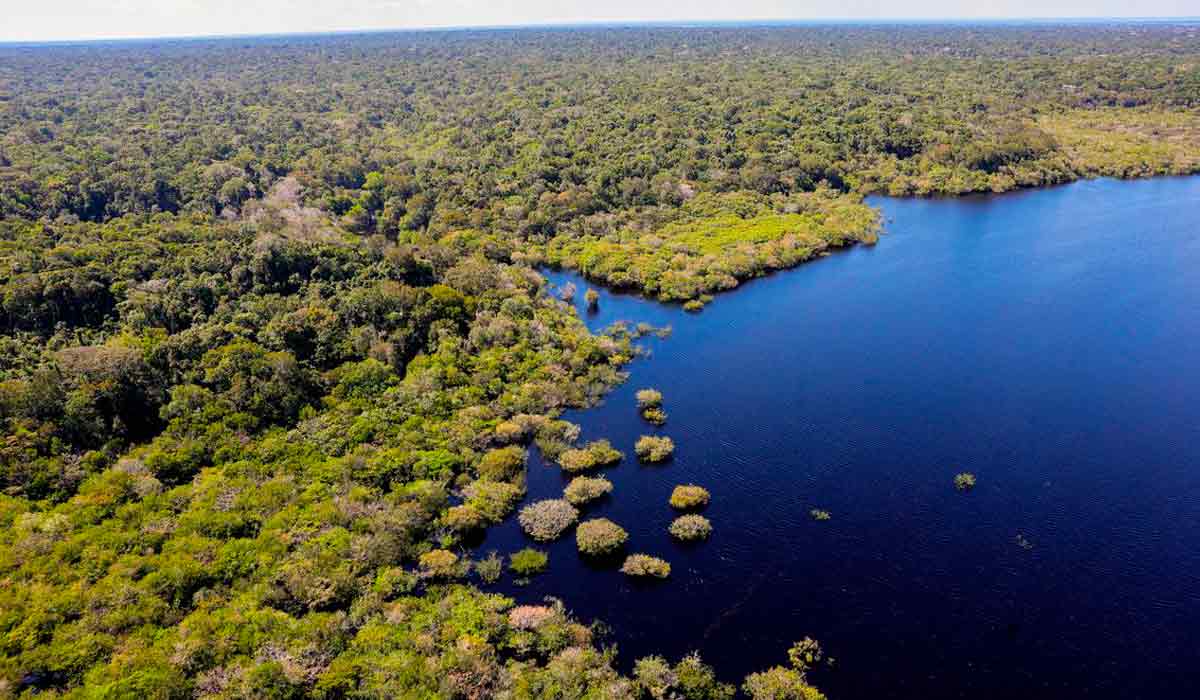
{"x": 613, "y": 24}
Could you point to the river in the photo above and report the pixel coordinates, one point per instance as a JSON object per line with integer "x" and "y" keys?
{"x": 1046, "y": 341}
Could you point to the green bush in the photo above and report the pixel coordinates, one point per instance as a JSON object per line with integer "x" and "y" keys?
{"x": 600, "y": 536}
{"x": 818, "y": 514}
{"x": 964, "y": 481}
{"x": 657, "y": 416}
{"x": 592, "y": 456}
{"x": 463, "y": 519}
{"x": 653, "y": 448}
{"x": 690, "y": 528}
{"x": 504, "y": 464}
{"x": 644, "y": 565}
{"x": 689, "y": 496}
{"x": 439, "y": 563}
{"x": 649, "y": 398}
{"x": 528, "y": 562}
{"x": 489, "y": 568}
{"x": 584, "y": 489}
{"x": 547, "y": 520}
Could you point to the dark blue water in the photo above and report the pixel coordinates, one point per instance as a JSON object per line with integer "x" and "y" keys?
{"x": 1046, "y": 341}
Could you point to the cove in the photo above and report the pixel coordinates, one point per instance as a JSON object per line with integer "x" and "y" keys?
{"x": 1046, "y": 341}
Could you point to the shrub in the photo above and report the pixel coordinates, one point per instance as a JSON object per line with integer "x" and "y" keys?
{"x": 439, "y": 563}
{"x": 690, "y": 528}
{"x": 645, "y": 565}
{"x": 493, "y": 499}
{"x": 504, "y": 464}
{"x": 689, "y": 496}
{"x": 463, "y": 519}
{"x": 584, "y": 489}
{"x": 547, "y": 520}
{"x": 528, "y": 562}
{"x": 964, "y": 481}
{"x": 593, "y": 299}
{"x": 818, "y": 514}
{"x": 600, "y": 536}
{"x": 651, "y": 448}
{"x": 489, "y": 568}
{"x": 693, "y": 305}
{"x": 657, "y": 416}
{"x": 595, "y": 454}
{"x": 649, "y": 398}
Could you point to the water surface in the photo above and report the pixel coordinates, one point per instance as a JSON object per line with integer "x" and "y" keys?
{"x": 1045, "y": 341}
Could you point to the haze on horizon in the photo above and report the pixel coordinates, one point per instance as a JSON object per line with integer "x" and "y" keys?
{"x": 55, "y": 20}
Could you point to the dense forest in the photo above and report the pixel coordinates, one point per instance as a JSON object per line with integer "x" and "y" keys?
{"x": 275, "y": 343}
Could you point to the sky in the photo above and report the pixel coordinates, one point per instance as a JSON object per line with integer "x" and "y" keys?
{"x": 44, "y": 20}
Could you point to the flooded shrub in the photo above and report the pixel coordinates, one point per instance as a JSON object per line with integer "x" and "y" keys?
{"x": 528, "y": 562}
{"x": 439, "y": 563}
{"x": 567, "y": 291}
{"x": 584, "y": 489}
{"x": 690, "y": 679}
{"x": 964, "y": 481}
{"x": 693, "y": 305}
{"x": 657, "y": 416}
{"x": 652, "y": 448}
{"x": 689, "y": 496}
{"x": 594, "y": 455}
{"x": 644, "y": 565}
{"x": 600, "y": 536}
{"x": 463, "y": 519}
{"x": 649, "y": 398}
{"x": 547, "y": 520}
{"x": 690, "y": 528}
{"x": 592, "y": 297}
{"x": 504, "y": 464}
{"x": 489, "y": 568}
{"x": 494, "y": 500}
{"x": 818, "y": 514}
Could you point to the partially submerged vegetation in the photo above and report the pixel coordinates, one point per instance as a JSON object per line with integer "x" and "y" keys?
{"x": 528, "y": 562}
{"x": 594, "y": 455}
{"x": 964, "y": 481}
{"x": 645, "y": 566}
{"x": 650, "y": 406}
{"x": 600, "y": 537}
{"x": 585, "y": 489}
{"x": 654, "y": 448}
{"x": 547, "y": 520}
{"x": 689, "y": 497}
{"x": 819, "y": 514}
{"x": 690, "y": 528}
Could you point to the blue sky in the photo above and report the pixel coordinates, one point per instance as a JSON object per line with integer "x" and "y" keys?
{"x": 37, "y": 20}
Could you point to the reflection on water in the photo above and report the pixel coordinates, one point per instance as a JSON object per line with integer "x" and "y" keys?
{"x": 1045, "y": 341}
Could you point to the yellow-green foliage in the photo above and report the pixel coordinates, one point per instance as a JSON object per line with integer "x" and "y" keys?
{"x": 818, "y": 514}
{"x": 718, "y": 240}
{"x": 644, "y": 565}
{"x": 504, "y": 464}
{"x": 494, "y": 500}
{"x": 1127, "y": 142}
{"x": 689, "y": 496}
{"x": 654, "y": 448}
{"x": 439, "y": 563}
{"x": 964, "y": 481}
{"x": 584, "y": 489}
{"x": 463, "y": 519}
{"x": 592, "y": 456}
{"x": 600, "y": 536}
{"x": 528, "y": 562}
